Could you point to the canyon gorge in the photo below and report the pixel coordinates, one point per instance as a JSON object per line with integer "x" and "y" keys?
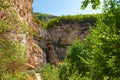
{"x": 49, "y": 46}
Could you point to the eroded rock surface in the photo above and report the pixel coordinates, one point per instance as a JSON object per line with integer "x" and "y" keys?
{"x": 63, "y": 36}
{"x": 23, "y": 13}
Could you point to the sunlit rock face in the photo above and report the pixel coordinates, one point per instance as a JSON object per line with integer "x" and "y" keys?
{"x": 23, "y": 12}
{"x": 23, "y": 9}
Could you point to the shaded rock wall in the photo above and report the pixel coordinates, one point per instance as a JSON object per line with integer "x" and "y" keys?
{"x": 63, "y": 36}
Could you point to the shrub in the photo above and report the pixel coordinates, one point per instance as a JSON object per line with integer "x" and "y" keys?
{"x": 15, "y": 76}
{"x": 50, "y": 72}
{"x": 75, "y": 62}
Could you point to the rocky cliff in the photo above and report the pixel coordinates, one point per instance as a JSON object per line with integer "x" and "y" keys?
{"x": 63, "y": 36}
{"x": 22, "y": 11}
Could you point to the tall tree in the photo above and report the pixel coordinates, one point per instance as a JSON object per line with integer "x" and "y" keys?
{"x": 104, "y": 44}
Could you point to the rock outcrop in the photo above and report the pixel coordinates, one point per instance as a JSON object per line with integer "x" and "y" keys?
{"x": 63, "y": 36}
{"x": 22, "y": 10}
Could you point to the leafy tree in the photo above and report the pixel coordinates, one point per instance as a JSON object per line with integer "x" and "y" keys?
{"x": 101, "y": 49}
{"x": 75, "y": 63}
{"x": 103, "y": 44}
{"x": 95, "y": 4}
{"x": 108, "y": 52}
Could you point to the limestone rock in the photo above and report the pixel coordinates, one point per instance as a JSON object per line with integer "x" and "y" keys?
{"x": 63, "y": 36}
{"x": 23, "y": 13}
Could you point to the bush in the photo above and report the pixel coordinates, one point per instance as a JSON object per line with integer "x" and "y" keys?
{"x": 75, "y": 62}
{"x": 12, "y": 56}
{"x": 80, "y": 19}
{"x": 15, "y": 76}
{"x": 50, "y": 72}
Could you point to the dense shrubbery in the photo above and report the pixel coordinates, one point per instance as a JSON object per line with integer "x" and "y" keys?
{"x": 75, "y": 62}
{"x": 92, "y": 18}
{"x": 15, "y": 76}
{"x": 50, "y": 72}
{"x": 50, "y": 21}
{"x": 100, "y": 49}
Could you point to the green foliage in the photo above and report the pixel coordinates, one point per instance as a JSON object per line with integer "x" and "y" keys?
{"x": 72, "y": 20}
{"x": 96, "y": 58}
{"x": 12, "y": 55}
{"x": 38, "y": 20}
{"x": 104, "y": 44}
{"x": 50, "y": 72}
{"x": 95, "y": 4}
{"x": 99, "y": 51}
{"x": 44, "y": 17}
{"x": 49, "y": 21}
{"x": 102, "y": 48}
{"x": 15, "y": 76}
{"x": 75, "y": 64}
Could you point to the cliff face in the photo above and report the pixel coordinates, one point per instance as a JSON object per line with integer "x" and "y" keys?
{"x": 23, "y": 12}
{"x": 61, "y": 32}
{"x": 63, "y": 36}
{"x": 23, "y": 9}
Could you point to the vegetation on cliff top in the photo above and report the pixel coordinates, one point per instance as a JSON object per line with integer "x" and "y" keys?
{"x": 44, "y": 17}
{"x": 79, "y": 19}
{"x": 50, "y": 21}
